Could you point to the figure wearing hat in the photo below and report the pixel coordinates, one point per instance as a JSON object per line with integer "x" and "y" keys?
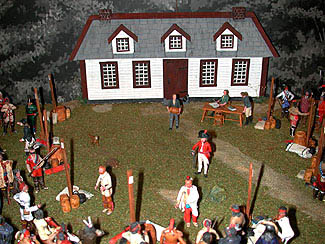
{"x": 18, "y": 180}
{"x": 171, "y": 235}
{"x": 204, "y": 150}
{"x": 6, "y": 232}
{"x": 285, "y": 96}
{"x": 237, "y": 219}
{"x": 8, "y": 116}
{"x": 28, "y": 137}
{"x": 23, "y": 199}
{"x": 187, "y": 199}
{"x": 207, "y": 227}
{"x": 6, "y": 173}
{"x": 105, "y": 182}
{"x": 35, "y": 169}
{"x": 294, "y": 117}
{"x": 134, "y": 235}
{"x": 31, "y": 113}
{"x": 282, "y": 219}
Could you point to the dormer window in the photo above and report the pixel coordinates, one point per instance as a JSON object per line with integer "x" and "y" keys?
{"x": 227, "y": 41}
{"x": 226, "y": 38}
{"x": 122, "y": 40}
{"x": 122, "y": 45}
{"x": 175, "y": 39}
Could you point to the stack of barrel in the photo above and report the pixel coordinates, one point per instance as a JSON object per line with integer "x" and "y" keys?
{"x": 270, "y": 123}
{"x": 67, "y": 202}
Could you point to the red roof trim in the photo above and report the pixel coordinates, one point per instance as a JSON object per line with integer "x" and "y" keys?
{"x": 126, "y": 30}
{"x": 177, "y": 28}
{"x": 228, "y": 26}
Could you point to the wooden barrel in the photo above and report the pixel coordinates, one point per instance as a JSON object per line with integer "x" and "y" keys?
{"x": 300, "y": 138}
{"x": 60, "y": 110}
{"x": 273, "y": 123}
{"x": 75, "y": 203}
{"x": 58, "y": 154}
{"x": 313, "y": 162}
{"x": 54, "y": 162}
{"x": 267, "y": 125}
{"x": 65, "y": 203}
{"x": 68, "y": 113}
{"x": 308, "y": 175}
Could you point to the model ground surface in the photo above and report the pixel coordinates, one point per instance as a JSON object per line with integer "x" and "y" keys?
{"x": 138, "y": 136}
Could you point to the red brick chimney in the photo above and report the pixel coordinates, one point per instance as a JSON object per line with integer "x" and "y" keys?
{"x": 238, "y": 13}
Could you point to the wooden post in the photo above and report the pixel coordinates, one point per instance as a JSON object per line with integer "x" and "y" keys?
{"x": 42, "y": 134}
{"x": 46, "y": 131}
{"x": 310, "y": 120}
{"x": 270, "y": 100}
{"x": 131, "y": 196}
{"x": 52, "y": 92}
{"x": 248, "y": 204}
{"x": 66, "y": 168}
{"x": 320, "y": 147}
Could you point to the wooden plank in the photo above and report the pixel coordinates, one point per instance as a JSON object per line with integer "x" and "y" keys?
{"x": 320, "y": 147}
{"x": 249, "y": 194}
{"x": 270, "y": 100}
{"x": 66, "y": 168}
{"x": 46, "y": 131}
{"x": 42, "y": 133}
{"x": 52, "y": 92}
{"x": 131, "y": 195}
{"x": 310, "y": 120}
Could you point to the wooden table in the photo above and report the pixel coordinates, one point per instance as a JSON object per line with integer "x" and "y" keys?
{"x": 223, "y": 110}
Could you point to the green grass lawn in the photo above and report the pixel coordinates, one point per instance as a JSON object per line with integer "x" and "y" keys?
{"x": 161, "y": 159}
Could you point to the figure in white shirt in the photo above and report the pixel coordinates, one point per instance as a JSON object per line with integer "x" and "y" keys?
{"x": 105, "y": 182}
{"x": 286, "y": 232}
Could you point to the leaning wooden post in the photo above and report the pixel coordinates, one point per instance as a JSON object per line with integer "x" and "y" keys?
{"x": 52, "y": 92}
{"x": 310, "y": 120}
{"x": 320, "y": 147}
{"x": 40, "y": 114}
{"x": 46, "y": 131}
{"x": 131, "y": 196}
{"x": 66, "y": 168}
{"x": 248, "y": 204}
{"x": 270, "y": 100}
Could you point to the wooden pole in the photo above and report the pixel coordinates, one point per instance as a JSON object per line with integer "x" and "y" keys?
{"x": 40, "y": 114}
{"x": 310, "y": 120}
{"x": 270, "y": 100}
{"x": 248, "y": 204}
{"x": 131, "y": 196}
{"x": 46, "y": 131}
{"x": 320, "y": 147}
{"x": 66, "y": 168}
{"x": 52, "y": 92}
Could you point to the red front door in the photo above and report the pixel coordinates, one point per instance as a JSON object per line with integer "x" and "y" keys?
{"x": 175, "y": 77}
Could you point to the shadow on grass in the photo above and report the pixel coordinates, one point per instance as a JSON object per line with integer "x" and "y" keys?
{"x": 72, "y": 161}
{"x": 186, "y": 235}
{"x": 258, "y": 184}
{"x": 293, "y": 222}
{"x": 139, "y": 195}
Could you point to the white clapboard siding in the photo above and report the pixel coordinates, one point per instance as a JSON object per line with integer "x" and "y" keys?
{"x": 126, "y": 90}
{"x": 224, "y": 79}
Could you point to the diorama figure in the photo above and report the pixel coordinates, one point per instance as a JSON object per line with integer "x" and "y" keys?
{"x": 207, "y": 238}
{"x": 223, "y": 100}
{"x": 8, "y": 116}
{"x": 237, "y": 219}
{"x": 28, "y": 137}
{"x": 285, "y": 96}
{"x": 207, "y": 227}
{"x": 34, "y": 167}
{"x": 174, "y": 109}
{"x": 6, "y": 175}
{"x": 231, "y": 237}
{"x": 6, "y": 232}
{"x": 247, "y": 108}
{"x": 321, "y": 110}
{"x": 187, "y": 199}
{"x": 319, "y": 183}
{"x": 31, "y": 113}
{"x": 105, "y": 182}
{"x": 18, "y": 181}
{"x": 204, "y": 150}
{"x": 23, "y": 199}
{"x": 25, "y": 237}
{"x": 45, "y": 232}
{"x": 304, "y": 104}
{"x": 89, "y": 234}
{"x": 269, "y": 236}
{"x": 134, "y": 235}
{"x": 286, "y": 232}
{"x": 171, "y": 235}
{"x": 294, "y": 118}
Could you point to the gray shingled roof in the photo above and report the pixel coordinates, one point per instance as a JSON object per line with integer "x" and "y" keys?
{"x": 149, "y": 32}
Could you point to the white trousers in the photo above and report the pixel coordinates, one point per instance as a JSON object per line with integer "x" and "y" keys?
{"x": 203, "y": 160}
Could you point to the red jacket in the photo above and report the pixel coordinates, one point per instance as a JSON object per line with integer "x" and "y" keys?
{"x": 206, "y": 148}
{"x": 32, "y": 160}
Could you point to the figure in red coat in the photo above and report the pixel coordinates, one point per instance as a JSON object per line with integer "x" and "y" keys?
{"x": 204, "y": 150}
{"x": 35, "y": 170}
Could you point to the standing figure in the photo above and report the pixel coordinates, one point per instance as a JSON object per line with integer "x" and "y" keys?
{"x": 294, "y": 118}
{"x": 2, "y": 102}
{"x": 23, "y": 199}
{"x": 286, "y": 232}
{"x": 134, "y": 235}
{"x": 171, "y": 235}
{"x": 6, "y": 232}
{"x": 231, "y": 237}
{"x": 31, "y": 113}
{"x": 247, "y": 108}
{"x": 89, "y": 234}
{"x": 204, "y": 150}
{"x": 237, "y": 219}
{"x": 18, "y": 181}
{"x": 105, "y": 182}
{"x": 28, "y": 137}
{"x": 187, "y": 199}
{"x": 285, "y": 96}
{"x": 305, "y": 103}
{"x": 8, "y": 116}
{"x": 33, "y": 164}
{"x": 206, "y": 228}
{"x": 321, "y": 110}
{"x": 6, "y": 174}
{"x": 174, "y": 109}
